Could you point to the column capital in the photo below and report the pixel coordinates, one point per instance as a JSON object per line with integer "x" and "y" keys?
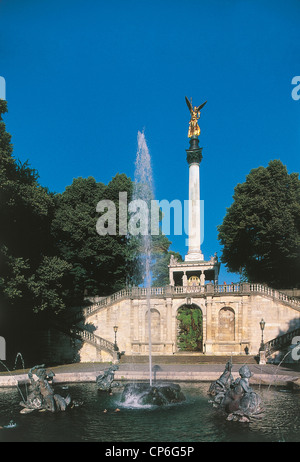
{"x": 194, "y": 153}
{"x": 194, "y": 157}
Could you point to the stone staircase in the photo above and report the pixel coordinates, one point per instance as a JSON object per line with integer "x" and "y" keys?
{"x": 281, "y": 342}
{"x": 74, "y": 324}
{"x": 98, "y": 342}
{"x": 73, "y": 328}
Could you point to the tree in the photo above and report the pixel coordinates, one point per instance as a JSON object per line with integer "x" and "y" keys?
{"x": 101, "y": 264}
{"x": 160, "y": 270}
{"x": 26, "y": 211}
{"x": 73, "y": 229}
{"x": 51, "y": 255}
{"x": 260, "y": 233}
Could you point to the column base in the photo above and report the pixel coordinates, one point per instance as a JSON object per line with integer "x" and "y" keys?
{"x": 262, "y": 357}
{"x": 194, "y": 256}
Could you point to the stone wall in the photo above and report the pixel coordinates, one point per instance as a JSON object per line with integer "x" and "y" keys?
{"x": 230, "y": 323}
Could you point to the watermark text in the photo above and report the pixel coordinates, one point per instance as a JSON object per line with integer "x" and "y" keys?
{"x": 2, "y": 349}
{"x": 296, "y": 348}
{"x": 142, "y": 218}
{"x": 2, "y": 88}
{"x": 296, "y": 89}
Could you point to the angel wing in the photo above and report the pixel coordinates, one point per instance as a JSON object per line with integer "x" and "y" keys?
{"x": 189, "y": 105}
{"x": 201, "y": 106}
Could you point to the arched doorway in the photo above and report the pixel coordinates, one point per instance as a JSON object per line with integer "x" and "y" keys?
{"x": 190, "y": 328}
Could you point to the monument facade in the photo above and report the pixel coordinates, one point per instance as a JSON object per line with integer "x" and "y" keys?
{"x": 230, "y": 315}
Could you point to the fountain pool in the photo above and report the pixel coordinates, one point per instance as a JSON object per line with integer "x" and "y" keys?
{"x": 190, "y": 421}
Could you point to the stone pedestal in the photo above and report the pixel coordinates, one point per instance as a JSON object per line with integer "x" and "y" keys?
{"x": 262, "y": 357}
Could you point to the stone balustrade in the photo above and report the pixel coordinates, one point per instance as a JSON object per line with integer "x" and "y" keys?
{"x": 171, "y": 291}
{"x": 281, "y": 342}
{"x": 97, "y": 341}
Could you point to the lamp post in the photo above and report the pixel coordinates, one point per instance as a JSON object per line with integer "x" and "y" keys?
{"x": 262, "y": 327}
{"x": 262, "y": 353}
{"x": 115, "y": 331}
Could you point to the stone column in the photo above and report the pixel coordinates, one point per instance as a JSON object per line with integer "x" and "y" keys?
{"x": 216, "y": 281}
{"x": 169, "y": 319}
{"x": 262, "y": 357}
{"x": 208, "y": 340}
{"x": 172, "y": 282}
{"x": 194, "y": 157}
{"x": 202, "y": 279}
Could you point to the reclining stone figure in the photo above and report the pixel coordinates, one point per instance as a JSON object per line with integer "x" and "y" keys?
{"x": 42, "y": 395}
{"x": 238, "y": 401}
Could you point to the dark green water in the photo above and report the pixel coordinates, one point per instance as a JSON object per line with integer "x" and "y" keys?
{"x": 191, "y": 421}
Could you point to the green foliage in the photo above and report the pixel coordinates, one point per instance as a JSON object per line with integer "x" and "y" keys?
{"x": 26, "y": 211}
{"x": 48, "y": 283}
{"x": 51, "y": 255}
{"x": 100, "y": 264}
{"x": 190, "y": 336}
{"x": 260, "y": 233}
{"x": 160, "y": 270}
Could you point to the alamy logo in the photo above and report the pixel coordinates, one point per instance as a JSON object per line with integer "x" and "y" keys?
{"x": 2, "y": 349}
{"x": 296, "y": 348}
{"x": 2, "y": 88}
{"x": 139, "y": 217}
{"x": 296, "y": 89}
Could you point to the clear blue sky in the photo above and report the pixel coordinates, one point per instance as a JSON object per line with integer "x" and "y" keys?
{"x": 83, "y": 76}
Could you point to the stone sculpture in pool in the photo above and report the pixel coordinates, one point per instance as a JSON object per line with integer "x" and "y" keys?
{"x": 235, "y": 397}
{"x": 105, "y": 381}
{"x": 41, "y": 395}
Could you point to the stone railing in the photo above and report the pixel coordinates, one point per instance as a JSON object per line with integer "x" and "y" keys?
{"x": 208, "y": 289}
{"x": 228, "y": 288}
{"x": 281, "y": 342}
{"x": 276, "y": 294}
{"x": 133, "y": 292}
{"x": 97, "y": 341}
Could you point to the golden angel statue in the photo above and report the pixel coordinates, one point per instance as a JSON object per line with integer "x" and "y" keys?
{"x": 194, "y": 129}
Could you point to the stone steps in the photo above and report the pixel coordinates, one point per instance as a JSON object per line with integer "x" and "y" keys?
{"x": 188, "y": 359}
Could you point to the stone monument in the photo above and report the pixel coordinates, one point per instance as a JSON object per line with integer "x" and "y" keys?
{"x": 194, "y": 271}
{"x": 236, "y": 398}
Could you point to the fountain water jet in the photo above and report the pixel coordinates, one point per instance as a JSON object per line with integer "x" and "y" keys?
{"x": 144, "y": 394}
{"x": 277, "y": 368}
{"x": 19, "y": 390}
{"x": 143, "y": 190}
{"x": 19, "y": 355}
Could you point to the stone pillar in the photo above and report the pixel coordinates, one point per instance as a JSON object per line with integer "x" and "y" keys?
{"x": 245, "y": 287}
{"x": 262, "y": 357}
{"x": 202, "y": 279}
{"x": 209, "y": 288}
{"x": 216, "y": 277}
{"x": 135, "y": 310}
{"x": 194, "y": 157}
{"x": 208, "y": 340}
{"x": 172, "y": 282}
{"x": 169, "y": 319}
